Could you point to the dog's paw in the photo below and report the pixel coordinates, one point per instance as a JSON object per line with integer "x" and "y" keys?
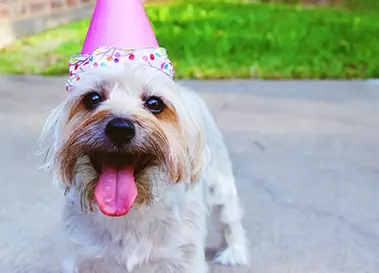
{"x": 232, "y": 256}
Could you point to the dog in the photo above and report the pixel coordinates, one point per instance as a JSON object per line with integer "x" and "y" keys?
{"x": 143, "y": 164}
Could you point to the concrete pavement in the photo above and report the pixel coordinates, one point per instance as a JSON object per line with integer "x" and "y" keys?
{"x": 306, "y": 158}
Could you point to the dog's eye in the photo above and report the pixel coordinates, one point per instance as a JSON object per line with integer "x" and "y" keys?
{"x": 155, "y": 105}
{"x": 91, "y": 100}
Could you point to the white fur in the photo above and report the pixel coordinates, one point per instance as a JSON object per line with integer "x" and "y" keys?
{"x": 169, "y": 236}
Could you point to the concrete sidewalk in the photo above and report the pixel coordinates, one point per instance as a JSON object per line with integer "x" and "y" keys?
{"x": 306, "y": 157}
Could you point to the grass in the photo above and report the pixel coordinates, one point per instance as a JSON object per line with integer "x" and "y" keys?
{"x": 233, "y": 39}
{"x": 353, "y": 5}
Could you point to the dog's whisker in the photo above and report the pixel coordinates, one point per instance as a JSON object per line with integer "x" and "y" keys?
{"x": 47, "y": 154}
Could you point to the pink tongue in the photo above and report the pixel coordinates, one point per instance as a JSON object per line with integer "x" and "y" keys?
{"x": 116, "y": 190}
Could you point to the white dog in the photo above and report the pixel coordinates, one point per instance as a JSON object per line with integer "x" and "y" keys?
{"x": 131, "y": 143}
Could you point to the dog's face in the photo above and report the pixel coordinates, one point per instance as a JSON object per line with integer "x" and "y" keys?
{"x": 122, "y": 133}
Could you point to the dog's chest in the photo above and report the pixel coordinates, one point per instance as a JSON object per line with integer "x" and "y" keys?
{"x": 159, "y": 233}
{"x": 133, "y": 251}
{"x": 136, "y": 242}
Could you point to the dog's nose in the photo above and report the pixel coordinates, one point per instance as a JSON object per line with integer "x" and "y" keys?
{"x": 120, "y": 131}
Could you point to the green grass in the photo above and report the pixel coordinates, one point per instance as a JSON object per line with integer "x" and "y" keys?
{"x": 230, "y": 39}
{"x": 353, "y": 5}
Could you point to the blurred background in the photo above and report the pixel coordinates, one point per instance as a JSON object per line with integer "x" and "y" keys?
{"x": 292, "y": 85}
{"x": 269, "y": 39}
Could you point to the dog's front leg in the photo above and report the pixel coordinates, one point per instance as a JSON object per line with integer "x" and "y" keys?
{"x": 183, "y": 267}
{"x": 168, "y": 267}
{"x": 224, "y": 199}
{"x": 195, "y": 262}
{"x": 188, "y": 258}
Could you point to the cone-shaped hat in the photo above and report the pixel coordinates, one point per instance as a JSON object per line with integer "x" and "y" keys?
{"x": 121, "y": 24}
{"x": 119, "y": 32}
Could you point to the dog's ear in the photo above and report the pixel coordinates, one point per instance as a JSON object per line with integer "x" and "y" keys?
{"x": 188, "y": 153}
{"x": 198, "y": 153}
{"x": 50, "y": 138}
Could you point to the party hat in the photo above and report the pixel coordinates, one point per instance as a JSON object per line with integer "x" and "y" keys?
{"x": 119, "y": 32}
{"x": 119, "y": 23}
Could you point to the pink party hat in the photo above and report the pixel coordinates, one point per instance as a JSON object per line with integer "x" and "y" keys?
{"x": 119, "y": 32}
{"x": 121, "y": 24}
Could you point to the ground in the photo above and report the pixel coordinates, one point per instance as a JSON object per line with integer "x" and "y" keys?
{"x": 306, "y": 158}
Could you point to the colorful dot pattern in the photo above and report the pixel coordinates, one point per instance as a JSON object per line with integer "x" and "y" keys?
{"x": 104, "y": 56}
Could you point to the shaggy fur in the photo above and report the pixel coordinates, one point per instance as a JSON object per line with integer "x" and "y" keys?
{"x": 183, "y": 173}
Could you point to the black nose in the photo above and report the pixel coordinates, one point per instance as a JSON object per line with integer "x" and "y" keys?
{"x": 120, "y": 131}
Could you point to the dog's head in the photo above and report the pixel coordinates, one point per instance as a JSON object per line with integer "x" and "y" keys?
{"x": 120, "y": 134}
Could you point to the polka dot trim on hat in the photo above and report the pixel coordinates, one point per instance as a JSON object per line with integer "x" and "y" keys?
{"x": 104, "y": 56}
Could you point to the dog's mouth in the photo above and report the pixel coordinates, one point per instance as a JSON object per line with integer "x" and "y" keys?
{"x": 116, "y": 188}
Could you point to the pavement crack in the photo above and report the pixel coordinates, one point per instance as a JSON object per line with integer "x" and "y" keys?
{"x": 260, "y": 146}
{"x": 315, "y": 211}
